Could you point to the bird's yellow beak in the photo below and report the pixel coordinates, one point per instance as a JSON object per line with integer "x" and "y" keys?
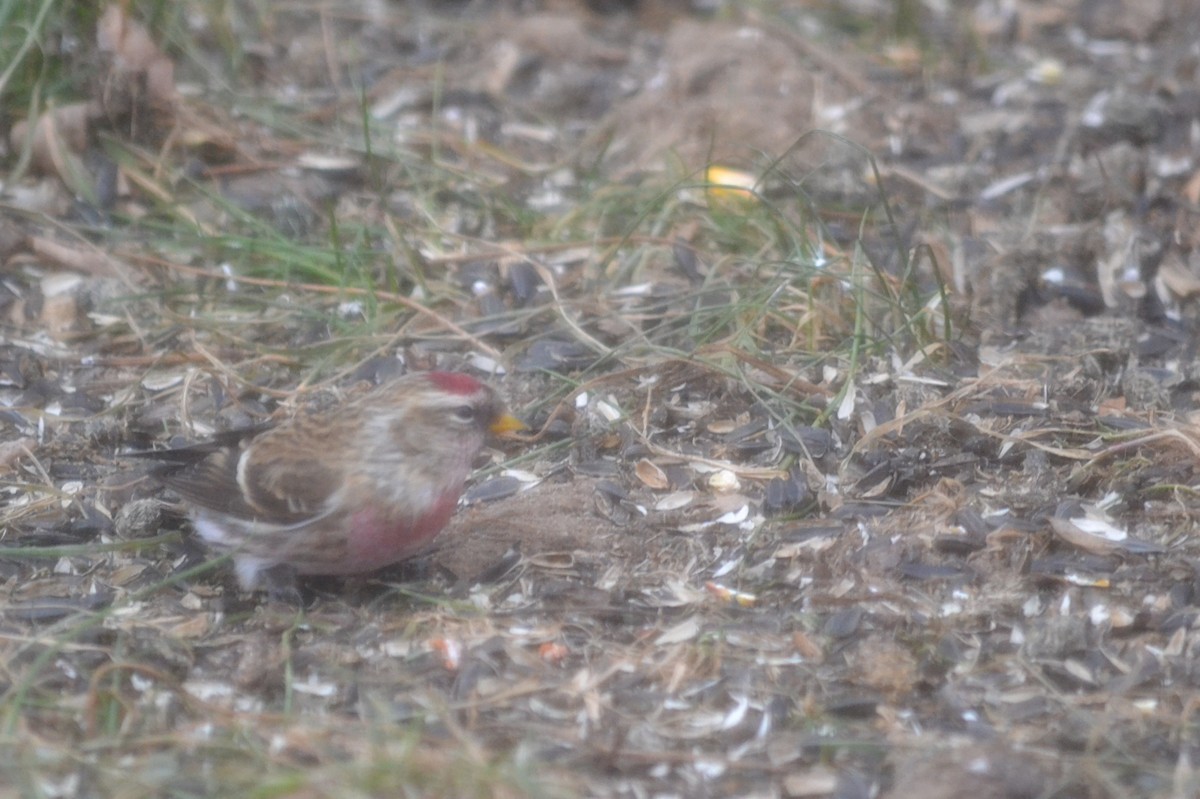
{"x": 507, "y": 423}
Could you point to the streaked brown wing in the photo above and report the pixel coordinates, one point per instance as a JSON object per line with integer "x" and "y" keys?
{"x": 289, "y": 489}
{"x": 212, "y": 483}
{"x": 280, "y": 491}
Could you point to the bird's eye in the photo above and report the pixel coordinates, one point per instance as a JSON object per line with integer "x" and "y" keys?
{"x": 464, "y": 413}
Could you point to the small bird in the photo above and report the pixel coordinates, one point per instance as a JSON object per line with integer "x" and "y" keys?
{"x": 346, "y": 490}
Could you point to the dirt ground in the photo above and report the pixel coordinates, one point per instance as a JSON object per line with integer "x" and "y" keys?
{"x": 715, "y": 572}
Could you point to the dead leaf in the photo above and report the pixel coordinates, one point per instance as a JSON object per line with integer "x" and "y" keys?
{"x": 135, "y": 56}
{"x": 1180, "y": 281}
{"x": 90, "y": 261}
{"x": 195, "y": 626}
{"x": 10, "y": 451}
{"x": 59, "y": 137}
{"x": 1098, "y": 537}
{"x": 807, "y": 648}
{"x": 651, "y": 475}
{"x": 1191, "y": 189}
{"x": 685, "y": 630}
{"x": 818, "y": 781}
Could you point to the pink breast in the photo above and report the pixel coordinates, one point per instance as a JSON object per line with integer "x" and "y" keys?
{"x": 377, "y": 541}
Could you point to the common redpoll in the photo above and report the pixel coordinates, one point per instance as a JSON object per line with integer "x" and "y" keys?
{"x": 346, "y": 490}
